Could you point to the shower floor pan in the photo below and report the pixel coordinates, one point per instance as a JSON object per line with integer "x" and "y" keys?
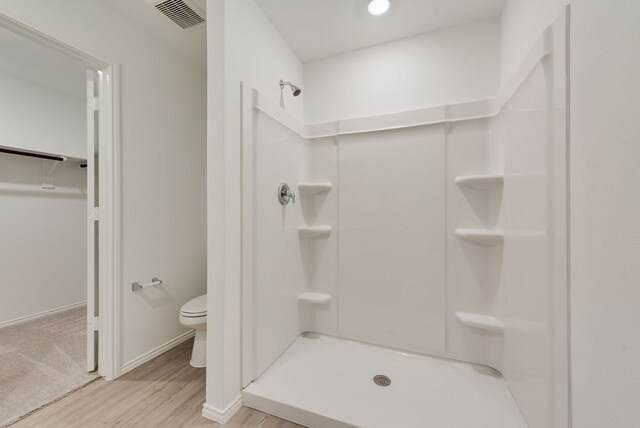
{"x": 323, "y": 381}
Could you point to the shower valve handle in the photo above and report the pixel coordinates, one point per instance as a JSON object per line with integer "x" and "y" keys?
{"x": 285, "y": 194}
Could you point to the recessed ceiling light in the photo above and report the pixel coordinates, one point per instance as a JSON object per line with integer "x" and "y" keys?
{"x": 378, "y": 7}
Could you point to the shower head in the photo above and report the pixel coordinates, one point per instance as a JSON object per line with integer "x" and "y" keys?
{"x": 294, "y": 89}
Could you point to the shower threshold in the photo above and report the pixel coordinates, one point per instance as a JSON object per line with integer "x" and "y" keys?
{"x": 323, "y": 381}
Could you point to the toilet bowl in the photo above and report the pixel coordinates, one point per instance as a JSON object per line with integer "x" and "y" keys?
{"x": 193, "y": 315}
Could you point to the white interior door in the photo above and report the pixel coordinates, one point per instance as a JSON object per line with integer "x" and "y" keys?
{"x": 92, "y": 220}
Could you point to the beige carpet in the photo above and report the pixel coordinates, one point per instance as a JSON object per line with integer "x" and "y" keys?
{"x": 40, "y": 361}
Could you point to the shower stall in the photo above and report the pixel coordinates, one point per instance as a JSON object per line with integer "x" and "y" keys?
{"x": 410, "y": 269}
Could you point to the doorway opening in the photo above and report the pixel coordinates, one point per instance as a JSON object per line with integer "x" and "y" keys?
{"x": 59, "y": 152}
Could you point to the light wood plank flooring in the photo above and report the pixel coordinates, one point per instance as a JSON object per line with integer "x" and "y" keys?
{"x": 165, "y": 392}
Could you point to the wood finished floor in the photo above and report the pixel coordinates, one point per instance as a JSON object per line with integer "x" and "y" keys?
{"x": 165, "y": 392}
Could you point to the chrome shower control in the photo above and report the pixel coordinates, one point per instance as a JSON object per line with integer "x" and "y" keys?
{"x": 285, "y": 194}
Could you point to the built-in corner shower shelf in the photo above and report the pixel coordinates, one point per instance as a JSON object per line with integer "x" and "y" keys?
{"x": 314, "y": 231}
{"x": 314, "y": 298}
{"x": 481, "y": 236}
{"x": 486, "y": 182}
{"x": 314, "y": 188}
{"x": 483, "y": 322}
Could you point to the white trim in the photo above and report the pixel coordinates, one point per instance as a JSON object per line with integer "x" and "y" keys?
{"x": 222, "y": 416}
{"x": 109, "y": 290}
{"x": 110, "y": 193}
{"x": 148, "y": 356}
{"x": 42, "y": 314}
{"x": 247, "y": 171}
{"x": 93, "y": 215}
{"x": 9, "y": 23}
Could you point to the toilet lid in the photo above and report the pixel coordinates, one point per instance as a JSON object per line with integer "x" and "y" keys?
{"x": 195, "y": 307}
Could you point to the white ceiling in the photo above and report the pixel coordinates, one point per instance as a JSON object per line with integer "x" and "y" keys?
{"x": 320, "y": 28}
{"x": 192, "y": 43}
{"x": 31, "y": 61}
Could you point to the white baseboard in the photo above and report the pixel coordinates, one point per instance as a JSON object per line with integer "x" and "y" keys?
{"x": 148, "y": 356}
{"x": 42, "y": 314}
{"x": 222, "y": 416}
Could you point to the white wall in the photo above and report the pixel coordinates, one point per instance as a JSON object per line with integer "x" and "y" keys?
{"x": 43, "y": 246}
{"x": 41, "y": 119}
{"x": 522, "y": 22}
{"x": 242, "y": 46}
{"x": 439, "y": 68}
{"x": 605, "y": 212}
{"x": 258, "y": 55}
{"x": 163, "y": 162}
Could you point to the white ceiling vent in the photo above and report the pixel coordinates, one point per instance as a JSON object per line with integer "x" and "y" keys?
{"x": 185, "y": 13}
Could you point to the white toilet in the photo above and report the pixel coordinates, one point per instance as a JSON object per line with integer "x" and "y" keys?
{"x": 193, "y": 315}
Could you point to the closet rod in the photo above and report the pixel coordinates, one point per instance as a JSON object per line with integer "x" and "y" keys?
{"x": 32, "y": 154}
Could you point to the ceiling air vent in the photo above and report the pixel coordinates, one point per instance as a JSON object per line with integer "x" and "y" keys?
{"x": 183, "y": 12}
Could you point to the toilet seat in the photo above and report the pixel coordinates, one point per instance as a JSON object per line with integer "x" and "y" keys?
{"x": 193, "y": 315}
{"x": 195, "y": 308}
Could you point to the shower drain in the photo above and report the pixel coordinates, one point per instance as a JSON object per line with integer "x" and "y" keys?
{"x": 381, "y": 380}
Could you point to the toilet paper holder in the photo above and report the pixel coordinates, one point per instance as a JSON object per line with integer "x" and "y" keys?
{"x": 154, "y": 281}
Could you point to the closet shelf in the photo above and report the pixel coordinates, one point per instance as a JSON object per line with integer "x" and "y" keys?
{"x": 33, "y": 154}
{"x": 483, "y": 322}
{"x": 481, "y": 236}
{"x": 486, "y": 182}
{"x": 314, "y": 298}
{"x": 314, "y": 188}
{"x": 314, "y": 231}
{"x": 47, "y": 156}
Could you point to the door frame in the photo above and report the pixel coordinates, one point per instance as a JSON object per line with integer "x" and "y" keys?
{"x": 110, "y": 220}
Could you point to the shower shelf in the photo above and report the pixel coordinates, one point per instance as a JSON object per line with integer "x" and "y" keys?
{"x": 481, "y": 236}
{"x": 483, "y": 322}
{"x": 314, "y": 231}
{"x": 314, "y": 298}
{"x": 486, "y": 182}
{"x": 314, "y": 188}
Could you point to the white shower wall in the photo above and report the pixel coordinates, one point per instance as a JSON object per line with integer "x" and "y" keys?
{"x": 272, "y": 246}
{"x": 392, "y": 265}
{"x": 396, "y": 270}
{"x": 391, "y": 227}
{"x": 534, "y": 279}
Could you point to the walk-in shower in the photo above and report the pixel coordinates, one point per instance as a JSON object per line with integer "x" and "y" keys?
{"x": 420, "y": 277}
